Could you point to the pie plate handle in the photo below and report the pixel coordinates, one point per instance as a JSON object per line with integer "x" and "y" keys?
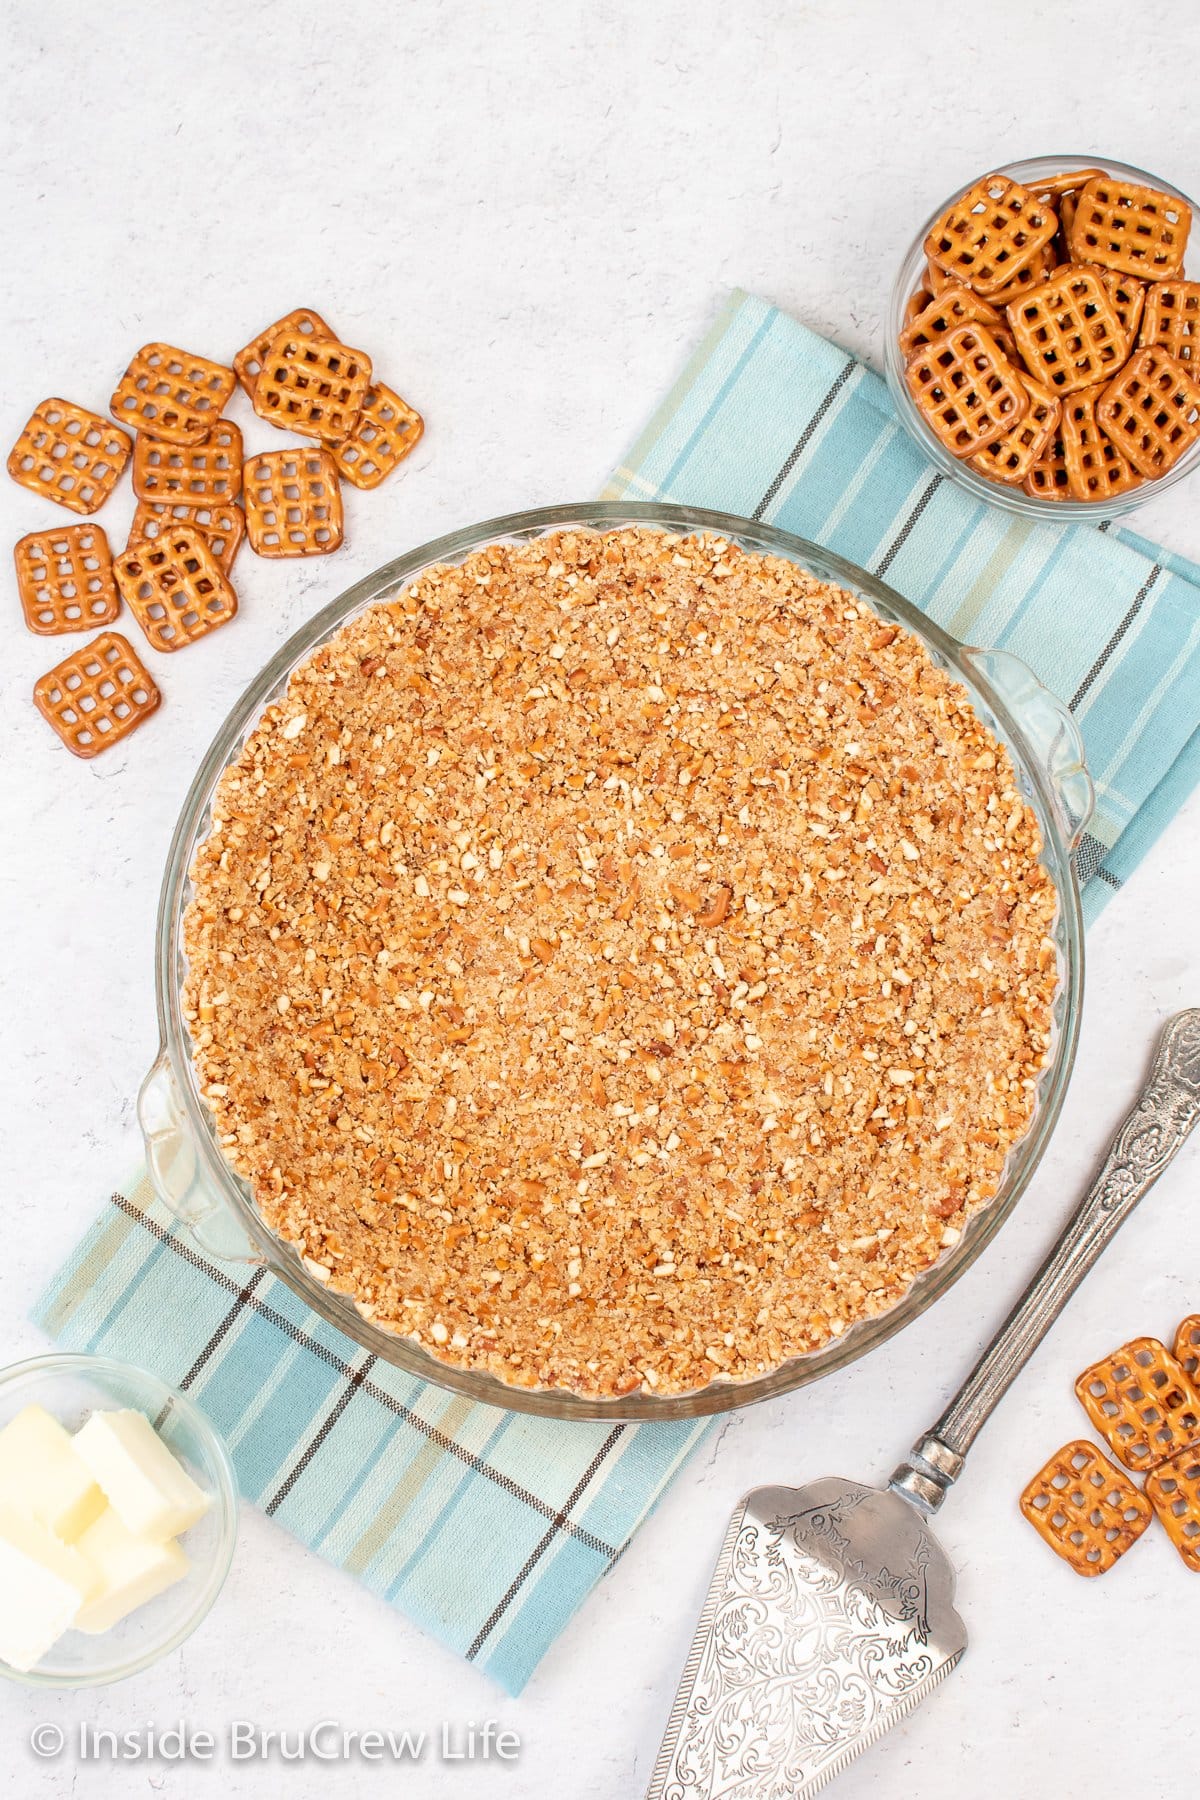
{"x": 176, "y": 1169}
{"x": 1050, "y": 731}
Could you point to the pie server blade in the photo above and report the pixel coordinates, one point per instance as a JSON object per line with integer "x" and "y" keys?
{"x": 830, "y": 1614}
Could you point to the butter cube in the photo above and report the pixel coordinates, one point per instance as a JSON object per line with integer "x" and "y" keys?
{"x": 150, "y": 1492}
{"x": 128, "y": 1571}
{"x": 43, "y": 1584}
{"x": 42, "y": 1476}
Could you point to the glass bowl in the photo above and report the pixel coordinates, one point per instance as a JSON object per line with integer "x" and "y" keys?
{"x": 70, "y": 1387}
{"x": 1014, "y": 499}
{"x": 191, "y": 1176}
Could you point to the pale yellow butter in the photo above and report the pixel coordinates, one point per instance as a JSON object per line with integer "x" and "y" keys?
{"x": 151, "y": 1493}
{"x": 128, "y": 1571}
{"x": 42, "y": 1477}
{"x": 43, "y": 1584}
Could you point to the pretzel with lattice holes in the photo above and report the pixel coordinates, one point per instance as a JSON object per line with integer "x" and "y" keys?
{"x": 385, "y": 432}
{"x": 314, "y": 386}
{"x": 1096, "y": 469}
{"x": 1085, "y": 1508}
{"x": 1011, "y": 458}
{"x": 1186, "y": 1348}
{"x": 1056, "y": 187}
{"x": 966, "y": 389}
{"x": 96, "y": 696}
{"x": 65, "y": 580}
{"x": 303, "y": 322}
{"x": 222, "y": 527}
{"x": 1129, "y": 299}
{"x": 1068, "y": 331}
{"x": 174, "y": 587}
{"x": 1047, "y": 478}
{"x": 1171, "y": 321}
{"x": 293, "y": 503}
{"x": 994, "y": 230}
{"x": 69, "y": 454}
{"x": 204, "y": 474}
{"x": 1135, "y": 230}
{"x": 1141, "y": 1402}
{"x": 955, "y": 305}
{"x": 1174, "y": 1492}
{"x": 1031, "y": 276}
{"x": 916, "y": 303}
{"x": 1151, "y": 411}
{"x": 172, "y": 394}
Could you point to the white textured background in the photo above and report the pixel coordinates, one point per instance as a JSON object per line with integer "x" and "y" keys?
{"x": 528, "y": 213}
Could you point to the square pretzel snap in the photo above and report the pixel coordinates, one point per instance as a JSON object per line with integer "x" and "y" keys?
{"x": 1068, "y": 330}
{"x": 1129, "y": 299}
{"x": 1012, "y": 457}
{"x": 1086, "y": 1509}
{"x": 68, "y": 454}
{"x": 1171, "y": 321}
{"x": 222, "y": 527}
{"x": 303, "y": 322}
{"x": 994, "y": 230}
{"x": 65, "y": 580}
{"x": 314, "y": 386}
{"x": 1029, "y": 275}
{"x": 385, "y": 432}
{"x": 1096, "y": 469}
{"x": 293, "y": 503}
{"x": 172, "y": 394}
{"x": 1048, "y": 478}
{"x": 966, "y": 389}
{"x": 1174, "y": 1492}
{"x": 204, "y": 474}
{"x": 1151, "y": 411}
{"x": 955, "y": 305}
{"x": 1186, "y": 1348}
{"x": 174, "y": 587}
{"x": 1135, "y": 230}
{"x": 1141, "y": 1402}
{"x": 96, "y": 696}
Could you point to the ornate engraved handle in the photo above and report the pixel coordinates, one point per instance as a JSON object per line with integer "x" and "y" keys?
{"x": 1167, "y": 1111}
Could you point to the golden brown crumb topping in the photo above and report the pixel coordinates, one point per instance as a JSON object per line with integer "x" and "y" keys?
{"x": 621, "y": 960}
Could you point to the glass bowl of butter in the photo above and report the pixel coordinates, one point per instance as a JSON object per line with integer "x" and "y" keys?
{"x": 118, "y": 1516}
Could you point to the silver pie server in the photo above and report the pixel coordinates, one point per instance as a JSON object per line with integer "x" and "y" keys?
{"x": 830, "y": 1614}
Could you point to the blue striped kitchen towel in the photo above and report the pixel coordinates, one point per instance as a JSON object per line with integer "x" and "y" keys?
{"x": 490, "y": 1528}
{"x": 772, "y": 422}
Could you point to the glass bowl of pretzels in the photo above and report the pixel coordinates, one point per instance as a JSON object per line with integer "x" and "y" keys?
{"x": 1043, "y": 338}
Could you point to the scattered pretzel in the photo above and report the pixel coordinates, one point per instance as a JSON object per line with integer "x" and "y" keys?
{"x": 223, "y": 527}
{"x": 96, "y": 696}
{"x": 65, "y": 579}
{"x": 1085, "y": 1508}
{"x": 1174, "y": 1492}
{"x": 174, "y": 587}
{"x": 172, "y": 394}
{"x": 205, "y": 474}
{"x": 313, "y": 386}
{"x": 303, "y": 322}
{"x": 293, "y": 503}
{"x": 68, "y": 454}
{"x": 1141, "y": 1402}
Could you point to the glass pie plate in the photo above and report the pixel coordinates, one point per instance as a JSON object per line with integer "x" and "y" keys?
{"x": 192, "y": 1178}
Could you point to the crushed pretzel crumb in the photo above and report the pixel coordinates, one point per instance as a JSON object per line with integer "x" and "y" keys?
{"x": 620, "y": 961}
